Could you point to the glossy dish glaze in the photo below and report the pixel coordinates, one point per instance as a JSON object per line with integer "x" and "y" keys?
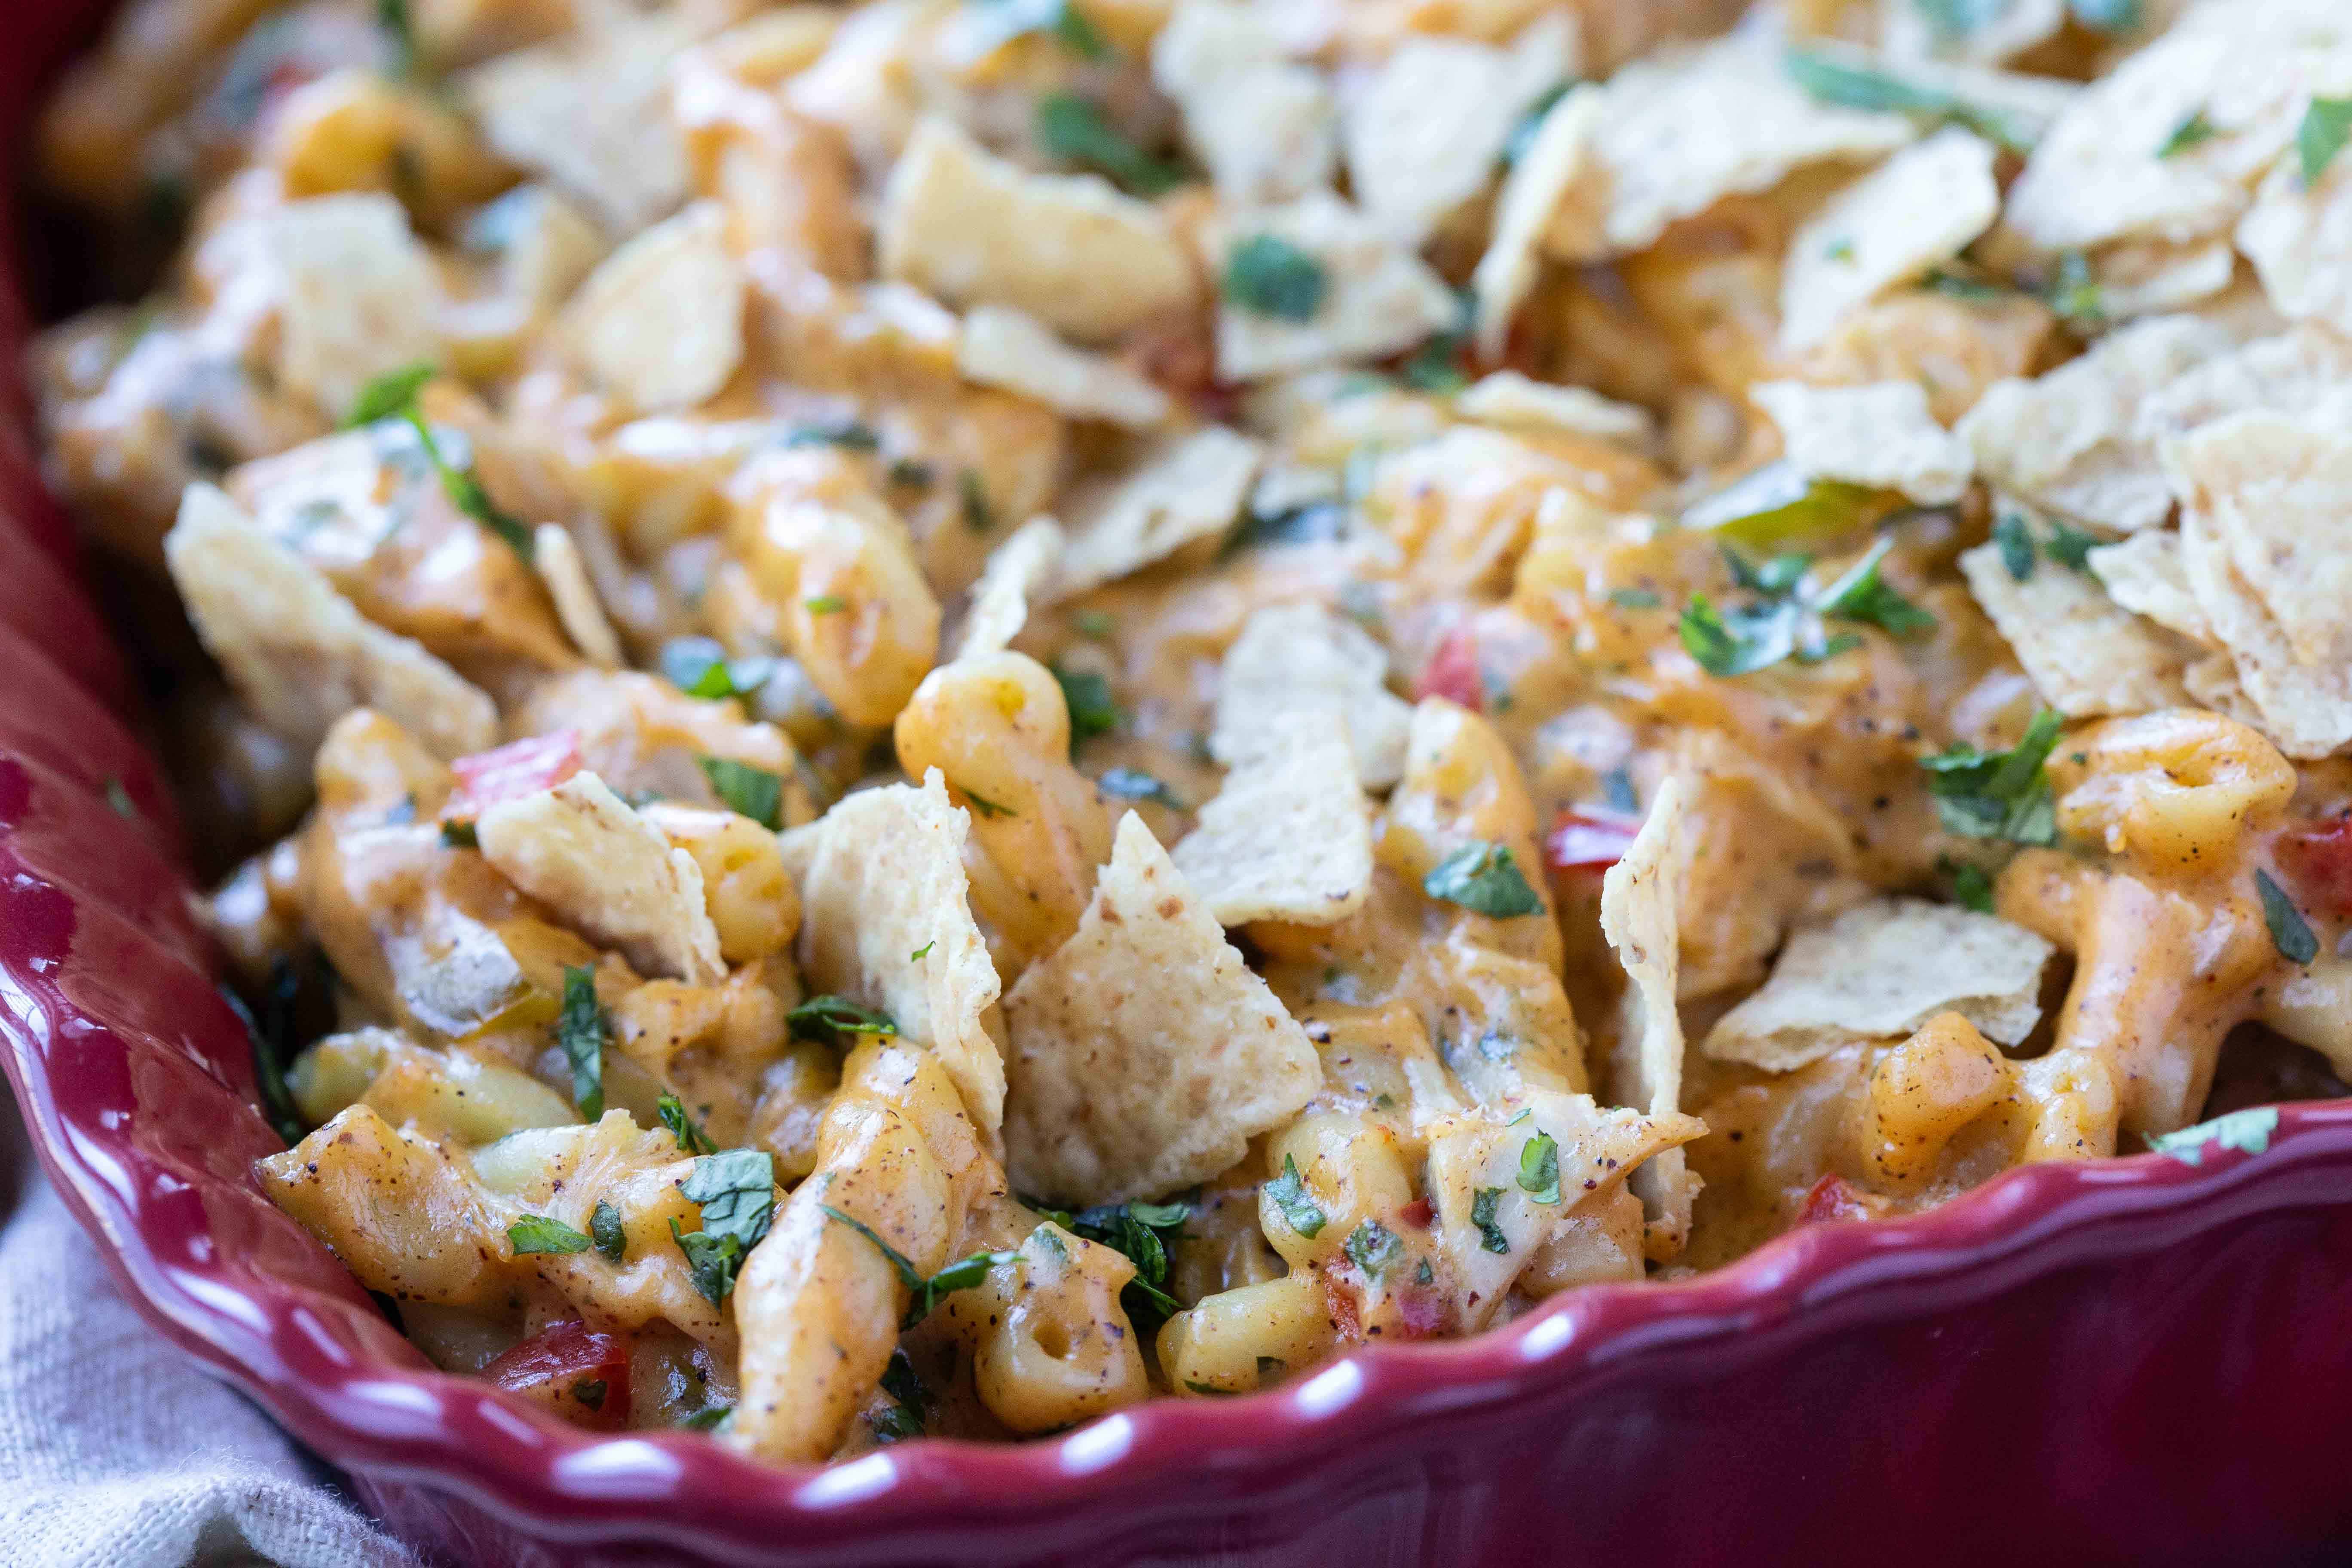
{"x": 2133, "y": 1360}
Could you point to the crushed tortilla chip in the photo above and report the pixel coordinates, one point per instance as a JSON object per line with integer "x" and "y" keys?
{"x": 1917, "y": 209}
{"x": 1559, "y": 159}
{"x": 970, "y": 229}
{"x": 2085, "y": 654}
{"x": 1513, "y": 401}
{"x": 1264, "y": 127}
{"x": 581, "y": 850}
{"x": 1877, "y": 973}
{"x": 1424, "y": 134}
{"x": 1379, "y": 297}
{"x": 887, "y": 923}
{"x": 300, "y": 655}
{"x": 2286, "y": 372}
{"x": 2146, "y": 278}
{"x": 1287, "y": 838}
{"x": 1682, "y": 128}
{"x": 1003, "y": 347}
{"x": 1017, "y": 570}
{"x": 1186, "y": 487}
{"x": 1880, "y": 435}
{"x": 659, "y": 323}
{"x": 1145, "y": 1055}
{"x": 1639, "y": 896}
{"x": 2145, "y": 576}
{"x": 2069, "y": 441}
{"x": 2300, "y": 240}
{"x": 1291, "y": 657}
{"x": 557, "y": 559}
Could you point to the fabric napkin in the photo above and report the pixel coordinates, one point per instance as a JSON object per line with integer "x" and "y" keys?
{"x": 115, "y": 1450}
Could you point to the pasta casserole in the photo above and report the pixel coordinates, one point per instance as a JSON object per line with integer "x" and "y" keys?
{"x": 921, "y": 717}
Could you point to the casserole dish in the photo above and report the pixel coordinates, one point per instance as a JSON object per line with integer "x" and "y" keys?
{"x": 2136, "y": 1360}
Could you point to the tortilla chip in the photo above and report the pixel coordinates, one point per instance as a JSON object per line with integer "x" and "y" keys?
{"x": 1145, "y": 1055}
{"x": 558, "y": 561}
{"x": 2069, "y": 442}
{"x": 2086, "y": 654}
{"x": 1287, "y": 838}
{"x": 659, "y": 323}
{"x": 1917, "y": 209}
{"x": 886, "y": 922}
{"x": 1186, "y": 487}
{"x": 1016, "y": 572}
{"x": 1011, "y": 349}
{"x": 2286, "y": 373}
{"x": 1265, "y": 128}
{"x": 296, "y": 652}
{"x": 1877, "y": 973}
{"x": 1559, "y": 160}
{"x": 1293, "y": 657}
{"x": 591, "y": 113}
{"x": 604, "y": 869}
{"x": 2145, "y": 576}
{"x": 1880, "y": 435}
{"x": 1379, "y": 297}
{"x": 1513, "y": 401}
{"x": 2148, "y": 278}
{"x": 970, "y": 229}
{"x": 2300, "y": 241}
{"x": 1682, "y": 127}
{"x": 1638, "y": 915}
{"x": 1424, "y": 133}
{"x": 354, "y": 294}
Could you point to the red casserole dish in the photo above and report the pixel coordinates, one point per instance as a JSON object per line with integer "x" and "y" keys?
{"x": 2141, "y": 1360}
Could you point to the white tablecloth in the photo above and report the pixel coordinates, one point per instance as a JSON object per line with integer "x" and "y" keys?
{"x": 115, "y": 1450}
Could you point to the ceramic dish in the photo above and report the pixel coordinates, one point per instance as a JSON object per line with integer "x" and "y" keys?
{"x": 2135, "y": 1360}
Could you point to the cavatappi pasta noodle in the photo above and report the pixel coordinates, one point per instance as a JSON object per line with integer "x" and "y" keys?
{"x": 951, "y": 711}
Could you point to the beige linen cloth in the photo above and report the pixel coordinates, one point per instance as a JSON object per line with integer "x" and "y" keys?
{"x": 115, "y": 1450}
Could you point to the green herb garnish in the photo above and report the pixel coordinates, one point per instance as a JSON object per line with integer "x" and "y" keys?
{"x": 1134, "y": 783}
{"x": 1530, "y": 123}
{"x": 1268, "y": 276}
{"x": 537, "y": 1233}
{"x": 1482, "y": 1215}
{"x": 706, "y": 1418}
{"x": 1634, "y": 599}
{"x": 982, "y": 804}
{"x": 1374, "y": 1249}
{"x": 2070, "y": 547}
{"x": 1141, "y": 1231}
{"x": 1075, "y": 130}
{"x": 1309, "y": 523}
{"x": 925, "y": 1293}
{"x": 607, "y": 1231}
{"x": 745, "y": 789}
{"x": 690, "y": 1138}
{"x": 1999, "y": 795}
{"x": 1483, "y": 879}
{"x": 699, "y": 667}
{"x": 1539, "y": 1168}
{"x": 827, "y": 1018}
{"x": 2248, "y": 1130}
{"x": 736, "y": 1190}
{"x": 1854, "y": 86}
{"x": 2187, "y": 134}
{"x": 1971, "y": 889}
{"x": 2326, "y": 126}
{"x": 2290, "y": 933}
{"x": 2015, "y": 543}
{"x": 977, "y": 514}
{"x": 850, "y": 434}
{"x": 580, "y": 1030}
{"x": 392, "y": 396}
{"x": 459, "y": 835}
{"x": 272, "y": 1036}
{"x": 1299, "y": 1209}
{"x": 911, "y": 1405}
{"x": 824, "y": 605}
{"x": 2074, "y": 295}
{"x": 1092, "y": 710}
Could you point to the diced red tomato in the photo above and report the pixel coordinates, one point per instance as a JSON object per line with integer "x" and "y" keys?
{"x": 1589, "y": 841}
{"x": 510, "y": 771}
{"x": 2318, "y": 861}
{"x": 1417, "y": 1213}
{"x": 581, "y": 1377}
{"x": 1422, "y": 1309}
{"x": 1452, "y": 671}
{"x": 1834, "y": 1197}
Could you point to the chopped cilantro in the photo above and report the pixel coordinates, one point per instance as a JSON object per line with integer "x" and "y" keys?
{"x": 537, "y": 1233}
{"x": 911, "y": 1403}
{"x": 824, "y": 605}
{"x": 1784, "y": 622}
{"x": 1009, "y": 19}
{"x": 736, "y": 1190}
{"x": 392, "y": 396}
{"x": 982, "y": 804}
{"x": 923, "y": 952}
{"x": 2248, "y": 1130}
{"x": 1097, "y": 625}
{"x": 1862, "y": 595}
{"x": 2290, "y": 933}
{"x": 1374, "y": 1249}
{"x": 827, "y": 1018}
{"x": 1482, "y": 1215}
{"x": 1539, "y": 1168}
{"x": 2015, "y": 543}
{"x": 607, "y": 1231}
{"x": 1634, "y": 599}
{"x": 1436, "y": 365}
{"x": 1778, "y": 502}
{"x": 1136, "y": 1229}
{"x": 2074, "y": 294}
{"x": 2070, "y": 547}
{"x": 459, "y": 835}
{"x": 1483, "y": 879}
{"x": 272, "y": 1038}
{"x": 580, "y": 1030}
{"x": 1958, "y": 285}
{"x": 1075, "y": 130}
{"x": 1999, "y": 795}
{"x": 1299, "y": 1209}
{"x": 2195, "y": 128}
{"x": 911, "y": 472}
{"x": 1134, "y": 783}
{"x": 699, "y": 667}
{"x": 745, "y": 789}
{"x": 850, "y": 434}
{"x": 1092, "y": 710}
{"x": 1309, "y": 523}
{"x": 1213, "y": 1392}
{"x": 590, "y": 1392}
{"x": 690, "y": 1138}
{"x": 1852, "y": 85}
{"x": 926, "y": 1294}
{"x": 1971, "y": 889}
{"x": 978, "y": 516}
{"x": 1424, "y": 1274}
{"x": 2326, "y": 126}
{"x": 705, "y": 1419}
{"x": 1268, "y": 276}
{"x": 391, "y": 19}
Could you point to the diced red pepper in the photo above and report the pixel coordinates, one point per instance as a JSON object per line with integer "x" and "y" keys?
{"x": 1589, "y": 841}
{"x": 2318, "y": 861}
{"x": 1452, "y": 671}
{"x": 1832, "y": 1197}
{"x": 510, "y": 771}
{"x": 581, "y": 1377}
{"x": 1418, "y": 1213}
{"x": 1421, "y": 1310}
